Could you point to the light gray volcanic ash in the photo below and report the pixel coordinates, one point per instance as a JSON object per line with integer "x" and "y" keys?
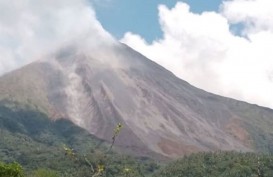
{"x": 162, "y": 114}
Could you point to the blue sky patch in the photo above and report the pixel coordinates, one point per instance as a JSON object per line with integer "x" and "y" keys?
{"x": 141, "y": 16}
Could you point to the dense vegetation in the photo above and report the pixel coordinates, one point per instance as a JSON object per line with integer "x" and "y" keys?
{"x": 39, "y": 145}
{"x": 59, "y": 149}
{"x": 220, "y": 164}
{"x": 11, "y": 170}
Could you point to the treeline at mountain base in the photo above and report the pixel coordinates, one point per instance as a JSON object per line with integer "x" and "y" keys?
{"x": 31, "y": 145}
{"x": 218, "y": 164}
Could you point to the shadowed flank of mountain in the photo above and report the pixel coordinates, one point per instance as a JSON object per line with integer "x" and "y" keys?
{"x": 37, "y": 142}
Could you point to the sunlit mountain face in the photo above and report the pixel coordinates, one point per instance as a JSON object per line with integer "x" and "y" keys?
{"x": 162, "y": 115}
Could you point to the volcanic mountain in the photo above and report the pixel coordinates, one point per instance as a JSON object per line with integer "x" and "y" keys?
{"x": 161, "y": 114}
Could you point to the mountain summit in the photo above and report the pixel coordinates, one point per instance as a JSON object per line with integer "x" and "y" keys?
{"x": 99, "y": 87}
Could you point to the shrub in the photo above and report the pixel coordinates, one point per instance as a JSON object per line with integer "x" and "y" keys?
{"x": 11, "y": 170}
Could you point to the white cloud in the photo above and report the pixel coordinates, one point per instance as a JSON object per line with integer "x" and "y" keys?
{"x": 201, "y": 48}
{"x": 255, "y": 14}
{"x": 30, "y": 28}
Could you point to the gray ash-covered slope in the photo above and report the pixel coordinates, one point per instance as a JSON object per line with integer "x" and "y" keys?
{"x": 161, "y": 114}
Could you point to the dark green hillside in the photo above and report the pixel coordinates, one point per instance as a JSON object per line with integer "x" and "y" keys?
{"x": 38, "y": 144}
{"x": 31, "y": 139}
{"x": 220, "y": 164}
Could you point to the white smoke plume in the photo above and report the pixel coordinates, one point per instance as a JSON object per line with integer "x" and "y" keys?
{"x": 30, "y": 28}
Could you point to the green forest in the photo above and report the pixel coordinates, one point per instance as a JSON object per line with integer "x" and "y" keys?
{"x": 218, "y": 164}
{"x": 36, "y": 147}
{"x": 33, "y": 146}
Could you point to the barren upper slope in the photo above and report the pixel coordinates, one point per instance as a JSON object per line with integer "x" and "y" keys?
{"x": 161, "y": 113}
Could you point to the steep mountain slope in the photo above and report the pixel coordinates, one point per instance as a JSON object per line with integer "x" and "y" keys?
{"x": 162, "y": 114}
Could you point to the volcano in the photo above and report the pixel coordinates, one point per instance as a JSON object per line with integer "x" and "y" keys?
{"x": 162, "y": 115}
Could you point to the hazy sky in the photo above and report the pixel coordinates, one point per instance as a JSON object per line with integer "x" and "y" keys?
{"x": 222, "y": 47}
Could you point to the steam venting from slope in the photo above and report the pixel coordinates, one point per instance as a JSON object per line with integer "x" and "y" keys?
{"x": 30, "y": 29}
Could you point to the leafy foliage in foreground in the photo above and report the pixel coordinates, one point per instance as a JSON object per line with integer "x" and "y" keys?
{"x": 11, "y": 170}
{"x": 220, "y": 164}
